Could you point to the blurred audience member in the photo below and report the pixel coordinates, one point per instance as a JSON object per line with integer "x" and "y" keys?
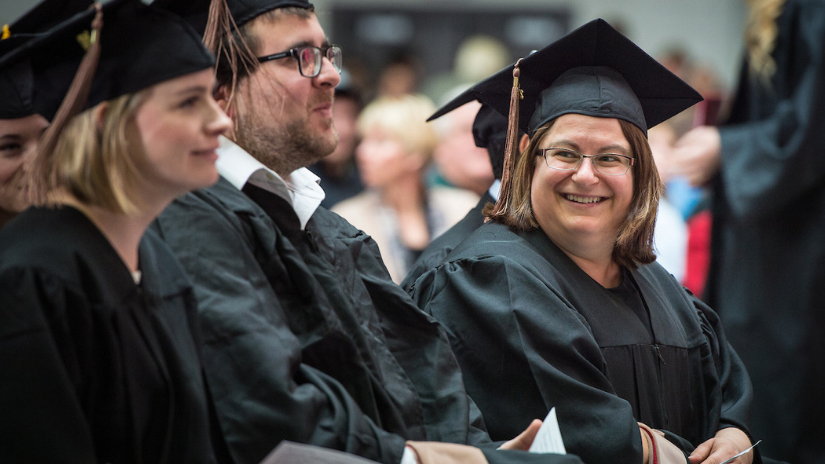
{"x": 489, "y": 131}
{"x": 458, "y": 161}
{"x": 767, "y": 171}
{"x": 399, "y": 77}
{"x": 670, "y": 236}
{"x": 337, "y": 171}
{"x": 477, "y": 57}
{"x": 397, "y": 210}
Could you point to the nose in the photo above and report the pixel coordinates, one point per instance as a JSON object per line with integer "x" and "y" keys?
{"x": 586, "y": 172}
{"x": 328, "y": 76}
{"x": 219, "y": 123}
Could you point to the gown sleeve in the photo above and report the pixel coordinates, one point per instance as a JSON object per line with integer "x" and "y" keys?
{"x": 734, "y": 381}
{"x": 775, "y": 158}
{"x": 263, "y": 393}
{"x": 41, "y": 415}
{"x": 421, "y": 346}
{"x": 523, "y": 349}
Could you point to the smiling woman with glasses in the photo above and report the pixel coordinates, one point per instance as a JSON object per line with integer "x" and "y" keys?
{"x": 557, "y": 301}
{"x": 309, "y": 58}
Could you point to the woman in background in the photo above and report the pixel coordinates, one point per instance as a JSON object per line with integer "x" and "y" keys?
{"x": 399, "y": 211}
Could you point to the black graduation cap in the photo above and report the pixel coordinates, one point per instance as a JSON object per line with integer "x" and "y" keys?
{"x": 140, "y": 46}
{"x": 490, "y": 132}
{"x": 15, "y": 84}
{"x": 595, "y": 71}
{"x": 196, "y": 12}
{"x": 45, "y": 15}
{"x": 16, "y": 92}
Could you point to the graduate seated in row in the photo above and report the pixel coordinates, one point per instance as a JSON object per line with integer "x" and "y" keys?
{"x": 558, "y": 302}
{"x": 20, "y": 130}
{"x": 98, "y": 328}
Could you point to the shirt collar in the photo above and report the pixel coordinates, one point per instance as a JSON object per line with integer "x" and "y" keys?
{"x": 301, "y": 188}
{"x": 495, "y": 189}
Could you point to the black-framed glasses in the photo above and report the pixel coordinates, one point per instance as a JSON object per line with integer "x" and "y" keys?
{"x": 565, "y": 159}
{"x": 309, "y": 58}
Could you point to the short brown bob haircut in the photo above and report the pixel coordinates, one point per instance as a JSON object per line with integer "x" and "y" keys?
{"x": 634, "y": 243}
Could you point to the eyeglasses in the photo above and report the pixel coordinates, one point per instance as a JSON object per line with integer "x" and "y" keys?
{"x": 309, "y": 58}
{"x": 563, "y": 159}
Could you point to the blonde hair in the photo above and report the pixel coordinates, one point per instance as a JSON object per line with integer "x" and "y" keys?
{"x": 634, "y": 244}
{"x": 94, "y": 160}
{"x": 404, "y": 118}
{"x": 761, "y": 32}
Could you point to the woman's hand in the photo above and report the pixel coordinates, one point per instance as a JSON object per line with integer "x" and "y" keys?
{"x": 525, "y": 439}
{"x": 727, "y": 443}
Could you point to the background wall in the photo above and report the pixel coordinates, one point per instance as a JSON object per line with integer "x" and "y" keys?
{"x": 709, "y": 30}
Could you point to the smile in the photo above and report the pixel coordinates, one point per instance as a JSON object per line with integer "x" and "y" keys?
{"x": 585, "y": 200}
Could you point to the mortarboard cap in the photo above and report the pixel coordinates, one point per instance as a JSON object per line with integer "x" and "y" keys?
{"x": 45, "y": 15}
{"x": 140, "y": 46}
{"x": 595, "y": 71}
{"x": 15, "y": 84}
{"x": 196, "y": 12}
{"x": 490, "y": 132}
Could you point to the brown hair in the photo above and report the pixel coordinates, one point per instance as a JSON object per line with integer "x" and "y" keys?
{"x": 236, "y": 48}
{"x": 634, "y": 244}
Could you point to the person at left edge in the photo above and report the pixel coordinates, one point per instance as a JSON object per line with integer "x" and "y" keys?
{"x": 98, "y": 329}
{"x": 20, "y": 124}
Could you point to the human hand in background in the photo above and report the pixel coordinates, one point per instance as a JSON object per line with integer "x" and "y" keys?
{"x": 696, "y": 156}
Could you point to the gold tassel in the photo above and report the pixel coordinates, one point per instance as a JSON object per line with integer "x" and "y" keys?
{"x": 510, "y": 147}
{"x": 42, "y": 179}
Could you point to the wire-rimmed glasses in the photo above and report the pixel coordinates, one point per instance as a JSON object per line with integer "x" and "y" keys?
{"x": 565, "y": 159}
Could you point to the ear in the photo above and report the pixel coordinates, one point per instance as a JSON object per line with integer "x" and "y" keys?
{"x": 523, "y": 142}
{"x": 222, "y": 95}
{"x": 100, "y": 115}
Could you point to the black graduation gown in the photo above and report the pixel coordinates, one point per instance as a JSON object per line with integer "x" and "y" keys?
{"x": 442, "y": 245}
{"x": 767, "y": 275}
{"x": 532, "y": 331}
{"x": 308, "y": 339}
{"x": 95, "y": 368}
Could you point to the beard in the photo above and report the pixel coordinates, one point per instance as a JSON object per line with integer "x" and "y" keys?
{"x": 283, "y": 146}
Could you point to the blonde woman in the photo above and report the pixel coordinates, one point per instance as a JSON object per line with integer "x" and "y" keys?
{"x": 98, "y": 330}
{"x": 398, "y": 210}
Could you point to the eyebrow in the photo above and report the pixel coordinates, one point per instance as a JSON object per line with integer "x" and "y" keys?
{"x": 192, "y": 89}
{"x": 307, "y": 43}
{"x": 605, "y": 149}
